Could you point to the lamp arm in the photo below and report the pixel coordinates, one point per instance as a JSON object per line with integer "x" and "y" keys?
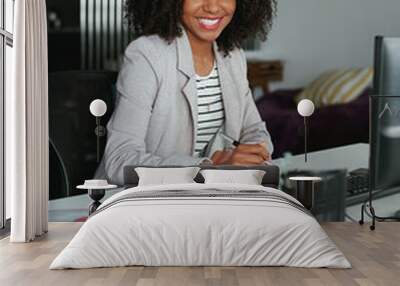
{"x": 98, "y": 138}
{"x": 305, "y": 138}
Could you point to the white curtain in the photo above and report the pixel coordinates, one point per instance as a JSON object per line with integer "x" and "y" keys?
{"x": 27, "y": 124}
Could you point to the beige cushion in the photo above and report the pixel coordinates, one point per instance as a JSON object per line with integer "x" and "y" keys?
{"x": 337, "y": 86}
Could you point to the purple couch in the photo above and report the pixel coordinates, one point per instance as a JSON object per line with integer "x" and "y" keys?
{"x": 330, "y": 126}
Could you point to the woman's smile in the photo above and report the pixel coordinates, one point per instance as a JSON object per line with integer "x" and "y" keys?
{"x": 210, "y": 24}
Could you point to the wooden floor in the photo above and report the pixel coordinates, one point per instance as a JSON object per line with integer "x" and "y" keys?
{"x": 375, "y": 257}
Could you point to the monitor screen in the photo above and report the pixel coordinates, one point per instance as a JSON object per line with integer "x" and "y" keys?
{"x": 385, "y": 116}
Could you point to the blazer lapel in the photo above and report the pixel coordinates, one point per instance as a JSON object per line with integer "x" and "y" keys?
{"x": 229, "y": 96}
{"x": 186, "y": 67}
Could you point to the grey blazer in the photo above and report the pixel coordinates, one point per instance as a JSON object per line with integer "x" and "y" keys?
{"x": 155, "y": 117}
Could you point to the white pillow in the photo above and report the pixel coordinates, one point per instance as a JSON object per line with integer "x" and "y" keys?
{"x": 165, "y": 176}
{"x": 248, "y": 177}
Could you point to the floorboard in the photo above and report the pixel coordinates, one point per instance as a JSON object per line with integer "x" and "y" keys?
{"x": 375, "y": 257}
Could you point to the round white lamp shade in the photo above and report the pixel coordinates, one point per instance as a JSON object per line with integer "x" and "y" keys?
{"x": 305, "y": 107}
{"x": 98, "y": 107}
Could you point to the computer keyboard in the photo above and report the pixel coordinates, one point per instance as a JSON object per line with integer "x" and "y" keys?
{"x": 357, "y": 182}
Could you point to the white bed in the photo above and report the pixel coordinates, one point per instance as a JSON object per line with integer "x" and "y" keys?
{"x": 246, "y": 225}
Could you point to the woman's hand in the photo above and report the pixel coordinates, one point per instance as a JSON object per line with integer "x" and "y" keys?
{"x": 244, "y": 154}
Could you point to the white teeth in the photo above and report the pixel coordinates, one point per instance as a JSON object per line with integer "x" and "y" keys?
{"x": 209, "y": 22}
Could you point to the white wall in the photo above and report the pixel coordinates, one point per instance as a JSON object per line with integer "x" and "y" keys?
{"x": 312, "y": 36}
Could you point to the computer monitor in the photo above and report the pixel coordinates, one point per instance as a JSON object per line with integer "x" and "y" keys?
{"x": 385, "y": 117}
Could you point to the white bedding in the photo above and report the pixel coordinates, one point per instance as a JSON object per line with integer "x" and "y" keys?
{"x": 202, "y": 231}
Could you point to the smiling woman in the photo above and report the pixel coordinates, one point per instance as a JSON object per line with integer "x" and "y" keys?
{"x": 183, "y": 87}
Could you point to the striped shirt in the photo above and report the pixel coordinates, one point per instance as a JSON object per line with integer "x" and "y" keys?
{"x": 211, "y": 113}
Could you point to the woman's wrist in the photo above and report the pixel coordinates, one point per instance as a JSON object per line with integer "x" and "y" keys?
{"x": 222, "y": 157}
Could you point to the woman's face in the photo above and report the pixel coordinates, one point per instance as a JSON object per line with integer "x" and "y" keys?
{"x": 206, "y": 19}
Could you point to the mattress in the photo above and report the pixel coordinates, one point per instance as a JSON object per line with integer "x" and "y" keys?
{"x": 201, "y": 225}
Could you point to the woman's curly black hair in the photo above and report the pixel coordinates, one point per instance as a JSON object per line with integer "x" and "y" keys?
{"x": 252, "y": 18}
